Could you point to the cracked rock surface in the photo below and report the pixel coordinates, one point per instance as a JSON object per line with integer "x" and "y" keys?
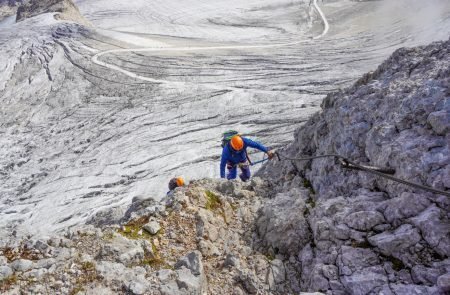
{"x": 375, "y": 235}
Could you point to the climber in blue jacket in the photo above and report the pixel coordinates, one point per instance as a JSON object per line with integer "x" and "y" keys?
{"x": 234, "y": 154}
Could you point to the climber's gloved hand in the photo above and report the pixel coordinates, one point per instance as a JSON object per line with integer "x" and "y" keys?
{"x": 271, "y": 154}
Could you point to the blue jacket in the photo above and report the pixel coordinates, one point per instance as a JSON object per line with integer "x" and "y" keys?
{"x": 235, "y": 157}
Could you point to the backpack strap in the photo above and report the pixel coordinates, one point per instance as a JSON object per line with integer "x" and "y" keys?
{"x": 248, "y": 157}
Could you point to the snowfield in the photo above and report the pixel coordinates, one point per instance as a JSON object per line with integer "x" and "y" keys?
{"x": 92, "y": 117}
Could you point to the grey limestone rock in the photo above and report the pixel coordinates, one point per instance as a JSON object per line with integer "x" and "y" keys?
{"x": 394, "y": 242}
{"x": 165, "y": 275}
{"x": 364, "y": 220}
{"x": 440, "y": 121}
{"x": 405, "y": 206}
{"x": 38, "y": 273}
{"x": 137, "y": 287}
{"x": 22, "y": 265}
{"x": 188, "y": 281}
{"x": 435, "y": 227}
{"x": 188, "y": 277}
{"x": 192, "y": 261}
{"x": 5, "y": 271}
{"x": 317, "y": 279}
{"x": 123, "y": 250}
{"x": 170, "y": 288}
{"x": 409, "y": 289}
{"x": 443, "y": 283}
{"x": 138, "y": 207}
{"x": 99, "y": 290}
{"x": 363, "y": 281}
{"x": 287, "y": 232}
{"x": 41, "y": 245}
{"x": 278, "y": 270}
{"x": 106, "y": 217}
{"x": 355, "y": 259}
{"x": 425, "y": 275}
{"x": 208, "y": 249}
{"x": 113, "y": 272}
{"x": 249, "y": 281}
{"x": 231, "y": 260}
{"x": 3, "y": 260}
{"x": 152, "y": 227}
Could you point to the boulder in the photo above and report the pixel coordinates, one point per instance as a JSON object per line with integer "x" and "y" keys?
{"x": 364, "y": 220}
{"x": 106, "y": 217}
{"x": 3, "y": 260}
{"x": 190, "y": 275}
{"x": 208, "y": 249}
{"x": 440, "y": 121}
{"x": 5, "y": 271}
{"x": 355, "y": 259}
{"x": 192, "y": 261}
{"x": 22, "y": 265}
{"x": 278, "y": 271}
{"x": 403, "y": 289}
{"x": 170, "y": 288}
{"x": 123, "y": 250}
{"x": 405, "y": 206}
{"x": 137, "y": 287}
{"x": 425, "y": 275}
{"x": 249, "y": 281}
{"x": 287, "y": 232}
{"x": 152, "y": 227}
{"x": 231, "y": 261}
{"x": 394, "y": 242}
{"x": 165, "y": 275}
{"x": 443, "y": 283}
{"x": 191, "y": 283}
{"x": 435, "y": 227}
{"x": 363, "y": 281}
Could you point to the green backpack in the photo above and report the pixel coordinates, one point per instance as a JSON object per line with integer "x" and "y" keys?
{"x": 227, "y": 135}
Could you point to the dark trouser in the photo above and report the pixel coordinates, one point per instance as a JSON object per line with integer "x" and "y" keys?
{"x": 232, "y": 170}
{"x": 173, "y": 184}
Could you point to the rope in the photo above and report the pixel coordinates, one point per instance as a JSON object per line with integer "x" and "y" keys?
{"x": 346, "y": 163}
{"x": 260, "y": 161}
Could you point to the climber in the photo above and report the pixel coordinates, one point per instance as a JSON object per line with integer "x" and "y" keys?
{"x": 234, "y": 154}
{"x": 174, "y": 183}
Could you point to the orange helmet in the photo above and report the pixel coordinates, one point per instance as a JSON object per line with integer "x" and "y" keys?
{"x": 180, "y": 181}
{"x": 237, "y": 143}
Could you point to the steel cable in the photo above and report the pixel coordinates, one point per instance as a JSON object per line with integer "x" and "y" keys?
{"x": 346, "y": 163}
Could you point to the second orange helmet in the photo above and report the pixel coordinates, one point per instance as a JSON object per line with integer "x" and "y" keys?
{"x": 180, "y": 181}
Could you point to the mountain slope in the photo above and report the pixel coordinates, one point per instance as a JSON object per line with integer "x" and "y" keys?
{"x": 306, "y": 227}
{"x": 368, "y": 234}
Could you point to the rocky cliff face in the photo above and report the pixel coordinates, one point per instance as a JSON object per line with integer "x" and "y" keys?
{"x": 353, "y": 232}
{"x": 65, "y": 10}
{"x": 9, "y": 7}
{"x": 303, "y": 226}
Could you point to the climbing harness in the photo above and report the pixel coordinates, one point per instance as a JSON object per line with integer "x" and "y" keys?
{"x": 382, "y": 172}
{"x": 249, "y": 163}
